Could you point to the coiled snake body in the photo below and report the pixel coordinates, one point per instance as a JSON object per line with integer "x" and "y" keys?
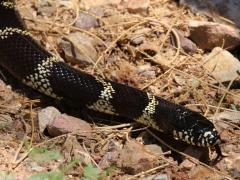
{"x": 37, "y": 68}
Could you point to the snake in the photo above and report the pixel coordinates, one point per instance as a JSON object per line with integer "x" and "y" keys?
{"x": 26, "y": 60}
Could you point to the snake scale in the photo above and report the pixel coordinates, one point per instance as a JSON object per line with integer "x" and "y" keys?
{"x": 27, "y": 61}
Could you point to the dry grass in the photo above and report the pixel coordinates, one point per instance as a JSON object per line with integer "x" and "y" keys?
{"x": 163, "y": 17}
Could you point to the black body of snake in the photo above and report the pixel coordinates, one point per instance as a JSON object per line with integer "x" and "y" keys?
{"x": 37, "y": 68}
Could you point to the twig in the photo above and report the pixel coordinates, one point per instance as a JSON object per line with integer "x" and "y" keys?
{"x": 18, "y": 151}
{"x": 141, "y": 174}
{"x": 33, "y": 127}
{"x": 114, "y": 127}
{"x": 91, "y": 157}
{"x": 115, "y": 41}
{"x": 223, "y": 96}
{"x": 211, "y": 106}
{"x": 62, "y": 26}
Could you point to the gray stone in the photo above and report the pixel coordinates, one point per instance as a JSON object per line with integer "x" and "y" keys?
{"x": 138, "y": 36}
{"x": 45, "y": 116}
{"x": 79, "y": 48}
{"x": 110, "y": 158}
{"x": 46, "y": 8}
{"x": 222, "y": 65}
{"x": 146, "y": 70}
{"x": 154, "y": 148}
{"x": 87, "y": 21}
{"x": 5, "y": 121}
{"x": 186, "y": 44}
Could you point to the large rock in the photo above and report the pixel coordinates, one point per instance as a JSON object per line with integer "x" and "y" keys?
{"x": 222, "y": 65}
{"x": 228, "y": 9}
{"x": 79, "y": 48}
{"x": 208, "y": 35}
{"x": 63, "y": 124}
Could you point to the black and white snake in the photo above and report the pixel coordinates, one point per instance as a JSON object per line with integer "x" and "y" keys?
{"x": 37, "y": 68}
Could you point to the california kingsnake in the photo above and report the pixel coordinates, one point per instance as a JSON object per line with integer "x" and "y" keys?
{"x": 37, "y": 68}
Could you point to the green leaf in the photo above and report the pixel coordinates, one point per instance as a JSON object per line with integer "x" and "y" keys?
{"x": 90, "y": 173}
{"x": 53, "y": 175}
{"x": 70, "y": 165}
{"x": 109, "y": 170}
{"x": 43, "y": 155}
{"x": 6, "y": 176}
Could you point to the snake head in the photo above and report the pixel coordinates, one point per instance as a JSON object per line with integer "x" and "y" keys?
{"x": 195, "y": 129}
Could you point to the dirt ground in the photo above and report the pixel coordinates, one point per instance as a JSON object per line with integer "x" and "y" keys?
{"x": 137, "y": 47}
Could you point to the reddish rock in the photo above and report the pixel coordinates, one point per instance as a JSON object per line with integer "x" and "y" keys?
{"x": 208, "y": 35}
{"x": 134, "y": 158}
{"x": 137, "y": 6}
{"x": 63, "y": 124}
{"x": 187, "y": 165}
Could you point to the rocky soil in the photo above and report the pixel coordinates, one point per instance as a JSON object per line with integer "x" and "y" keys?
{"x": 158, "y": 46}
